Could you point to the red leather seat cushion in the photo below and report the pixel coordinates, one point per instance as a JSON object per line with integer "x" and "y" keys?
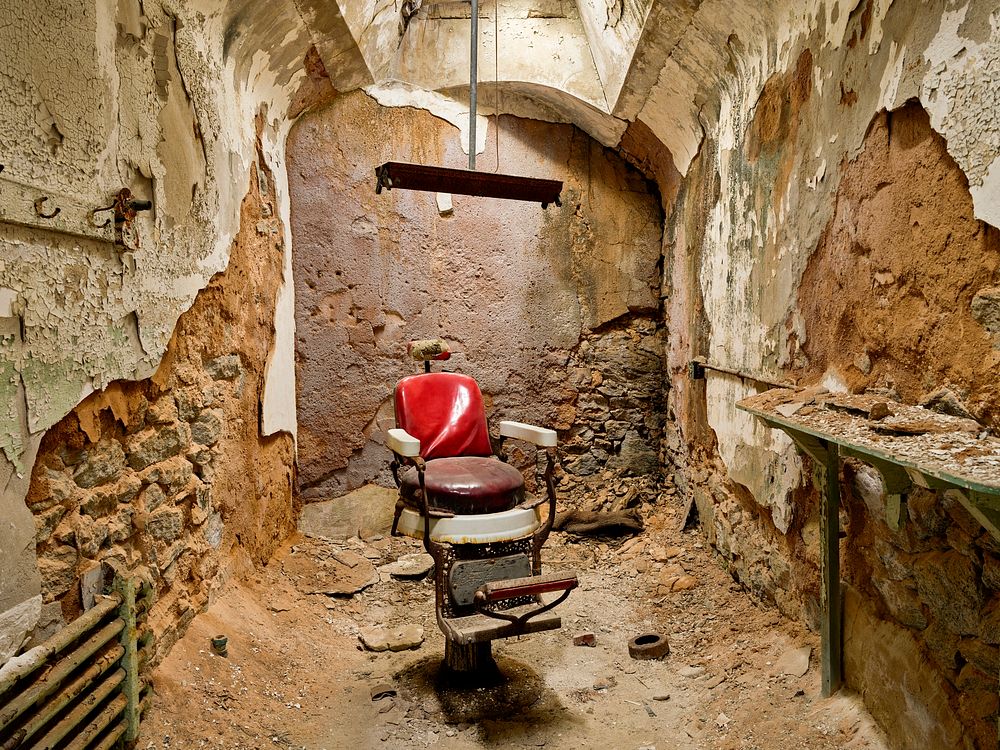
{"x": 444, "y": 411}
{"x": 467, "y": 484}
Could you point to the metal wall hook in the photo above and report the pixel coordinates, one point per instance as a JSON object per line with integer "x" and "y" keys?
{"x": 92, "y": 217}
{"x": 38, "y": 208}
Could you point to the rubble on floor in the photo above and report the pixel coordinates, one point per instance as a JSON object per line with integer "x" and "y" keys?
{"x": 298, "y": 677}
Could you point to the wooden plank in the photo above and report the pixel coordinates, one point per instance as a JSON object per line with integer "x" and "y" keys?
{"x": 529, "y": 586}
{"x": 17, "y": 206}
{"x": 480, "y": 628}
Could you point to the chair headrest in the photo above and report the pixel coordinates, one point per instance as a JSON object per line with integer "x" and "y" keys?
{"x": 426, "y": 350}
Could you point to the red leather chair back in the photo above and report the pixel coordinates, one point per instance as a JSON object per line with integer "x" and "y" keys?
{"x": 444, "y": 411}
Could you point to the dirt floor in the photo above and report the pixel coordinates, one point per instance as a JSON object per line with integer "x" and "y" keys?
{"x": 296, "y": 675}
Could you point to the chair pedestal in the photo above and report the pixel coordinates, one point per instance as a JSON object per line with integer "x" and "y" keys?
{"x": 469, "y": 658}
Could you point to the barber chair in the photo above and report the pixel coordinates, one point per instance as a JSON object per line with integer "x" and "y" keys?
{"x": 470, "y": 509}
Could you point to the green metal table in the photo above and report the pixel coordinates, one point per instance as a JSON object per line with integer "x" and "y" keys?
{"x": 908, "y": 446}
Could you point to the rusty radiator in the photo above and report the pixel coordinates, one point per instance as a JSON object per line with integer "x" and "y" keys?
{"x": 82, "y": 689}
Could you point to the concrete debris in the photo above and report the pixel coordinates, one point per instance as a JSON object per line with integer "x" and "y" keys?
{"x": 585, "y": 639}
{"x": 344, "y": 574}
{"x": 794, "y": 662}
{"x": 402, "y": 638}
{"x": 410, "y": 567}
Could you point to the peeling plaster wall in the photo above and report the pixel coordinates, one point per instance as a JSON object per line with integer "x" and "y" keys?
{"x": 159, "y": 97}
{"x": 613, "y": 28}
{"x": 764, "y": 158}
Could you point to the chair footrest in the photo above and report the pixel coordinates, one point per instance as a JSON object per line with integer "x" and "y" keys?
{"x": 480, "y": 628}
{"x": 496, "y": 591}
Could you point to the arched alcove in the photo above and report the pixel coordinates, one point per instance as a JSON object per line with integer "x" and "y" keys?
{"x": 556, "y": 312}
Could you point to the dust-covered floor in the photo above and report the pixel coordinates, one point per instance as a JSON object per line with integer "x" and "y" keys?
{"x": 296, "y": 675}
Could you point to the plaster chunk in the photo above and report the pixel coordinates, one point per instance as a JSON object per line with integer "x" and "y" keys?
{"x": 16, "y": 624}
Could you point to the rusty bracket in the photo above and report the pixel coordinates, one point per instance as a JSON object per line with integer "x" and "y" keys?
{"x": 124, "y": 209}
{"x": 39, "y": 202}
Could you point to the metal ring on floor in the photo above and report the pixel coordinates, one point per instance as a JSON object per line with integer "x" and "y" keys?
{"x": 648, "y": 646}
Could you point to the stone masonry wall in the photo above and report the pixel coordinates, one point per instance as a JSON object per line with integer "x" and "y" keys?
{"x": 555, "y": 311}
{"x": 171, "y": 473}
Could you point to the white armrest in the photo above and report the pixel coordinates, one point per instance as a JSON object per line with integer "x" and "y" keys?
{"x": 521, "y": 431}
{"x": 403, "y": 443}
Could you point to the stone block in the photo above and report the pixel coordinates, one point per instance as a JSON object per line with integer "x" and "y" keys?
{"x": 585, "y": 465}
{"x": 162, "y": 411}
{"x": 983, "y": 655}
{"x": 926, "y": 512}
{"x": 50, "y": 621}
{"x": 207, "y": 428}
{"x": 225, "y": 367}
{"x": 364, "y": 512}
{"x": 174, "y": 475}
{"x": 213, "y": 530}
{"x": 972, "y": 678}
{"x": 103, "y": 463}
{"x": 46, "y": 522}
{"x": 948, "y": 585}
{"x": 989, "y": 626}
{"x": 120, "y": 529}
{"x": 637, "y": 456}
{"x": 190, "y": 402}
{"x": 986, "y": 310}
{"x": 151, "y": 497}
{"x": 154, "y": 445}
{"x": 58, "y": 569}
{"x": 942, "y": 644}
{"x": 60, "y": 488}
{"x": 165, "y": 524}
{"x": 98, "y": 504}
{"x": 913, "y": 706}
{"x": 90, "y": 535}
{"x": 902, "y": 603}
{"x": 106, "y": 500}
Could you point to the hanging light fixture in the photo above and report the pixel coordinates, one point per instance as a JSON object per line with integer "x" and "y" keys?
{"x": 394, "y": 175}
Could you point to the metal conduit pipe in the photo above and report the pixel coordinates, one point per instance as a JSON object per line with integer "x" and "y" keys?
{"x": 75, "y": 717}
{"x": 61, "y": 640}
{"x": 63, "y": 698}
{"x": 99, "y": 724}
{"x": 109, "y": 741}
{"x": 118, "y": 730}
{"x": 473, "y": 83}
{"x": 59, "y": 672}
{"x": 698, "y": 366}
